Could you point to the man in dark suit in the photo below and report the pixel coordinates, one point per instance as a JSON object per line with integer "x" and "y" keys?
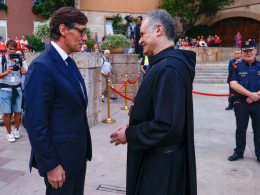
{"x": 231, "y": 91}
{"x": 56, "y": 103}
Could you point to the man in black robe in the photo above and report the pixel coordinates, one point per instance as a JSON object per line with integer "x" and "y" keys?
{"x": 160, "y": 134}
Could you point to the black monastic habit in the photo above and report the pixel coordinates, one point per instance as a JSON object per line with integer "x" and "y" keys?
{"x": 162, "y": 116}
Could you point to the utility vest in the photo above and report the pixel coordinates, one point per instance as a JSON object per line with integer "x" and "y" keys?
{"x": 2, "y": 47}
{"x": 24, "y": 42}
{"x": 18, "y": 44}
{"x": 248, "y": 77}
{"x": 146, "y": 63}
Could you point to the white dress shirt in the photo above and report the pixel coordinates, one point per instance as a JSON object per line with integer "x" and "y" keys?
{"x": 64, "y": 56}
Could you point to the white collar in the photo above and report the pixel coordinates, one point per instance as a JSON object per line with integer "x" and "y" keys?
{"x": 62, "y": 53}
{"x": 238, "y": 60}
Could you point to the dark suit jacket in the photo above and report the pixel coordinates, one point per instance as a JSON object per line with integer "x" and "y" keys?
{"x": 231, "y": 62}
{"x": 55, "y": 115}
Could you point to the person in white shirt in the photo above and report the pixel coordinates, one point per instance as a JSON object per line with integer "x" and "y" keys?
{"x": 23, "y": 42}
{"x": 11, "y": 70}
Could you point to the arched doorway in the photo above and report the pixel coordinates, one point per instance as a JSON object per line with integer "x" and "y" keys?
{"x": 227, "y": 29}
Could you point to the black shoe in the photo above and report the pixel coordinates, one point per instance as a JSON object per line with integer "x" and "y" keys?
{"x": 258, "y": 158}
{"x": 236, "y": 156}
{"x": 113, "y": 98}
{"x": 228, "y": 108}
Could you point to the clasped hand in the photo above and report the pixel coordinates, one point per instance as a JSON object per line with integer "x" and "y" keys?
{"x": 56, "y": 177}
{"x": 118, "y": 137}
{"x": 254, "y": 97}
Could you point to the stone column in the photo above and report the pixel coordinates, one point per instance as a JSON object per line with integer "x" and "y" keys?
{"x": 124, "y": 64}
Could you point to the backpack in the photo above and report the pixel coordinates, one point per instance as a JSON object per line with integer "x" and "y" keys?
{"x": 4, "y": 61}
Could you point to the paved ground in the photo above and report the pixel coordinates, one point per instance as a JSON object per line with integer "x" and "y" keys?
{"x": 214, "y": 139}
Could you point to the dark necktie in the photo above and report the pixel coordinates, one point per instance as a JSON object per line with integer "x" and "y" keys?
{"x": 71, "y": 65}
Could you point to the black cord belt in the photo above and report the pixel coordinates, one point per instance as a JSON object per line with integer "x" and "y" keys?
{"x": 168, "y": 149}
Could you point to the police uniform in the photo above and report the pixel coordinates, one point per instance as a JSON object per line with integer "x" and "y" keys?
{"x": 249, "y": 77}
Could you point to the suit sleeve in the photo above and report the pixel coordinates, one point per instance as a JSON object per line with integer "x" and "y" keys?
{"x": 169, "y": 107}
{"x": 39, "y": 94}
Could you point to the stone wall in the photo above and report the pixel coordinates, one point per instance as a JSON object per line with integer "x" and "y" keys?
{"x": 89, "y": 65}
{"x": 124, "y": 65}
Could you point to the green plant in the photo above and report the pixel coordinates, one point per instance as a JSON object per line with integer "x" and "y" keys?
{"x": 118, "y": 26}
{"x": 188, "y": 12}
{"x": 47, "y": 7}
{"x": 114, "y": 41}
{"x": 90, "y": 43}
{"x": 198, "y": 30}
{"x": 38, "y": 46}
{"x": 43, "y": 30}
{"x": 3, "y": 7}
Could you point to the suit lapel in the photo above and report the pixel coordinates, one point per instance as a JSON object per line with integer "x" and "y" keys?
{"x": 64, "y": 69}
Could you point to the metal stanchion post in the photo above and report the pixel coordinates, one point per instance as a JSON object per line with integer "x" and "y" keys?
{"x": 108, "y": 120}
{"x": 125, "y": 107}
{"x": 216, "y": 57}
{"x": 139, "y": 80}
{"x": 202, "y": 57}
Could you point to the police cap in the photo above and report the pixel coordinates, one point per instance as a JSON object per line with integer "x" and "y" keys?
{"x": 248, "y": 45}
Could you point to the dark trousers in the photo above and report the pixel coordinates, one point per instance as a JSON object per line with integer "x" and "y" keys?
{"x": 139, "y": 48}
{"x": 231, "y": 99}
{"x": 242, "y": 112}
{"x": 72, "y": 186}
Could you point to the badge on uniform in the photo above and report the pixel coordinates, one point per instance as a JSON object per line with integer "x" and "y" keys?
{"x": 247, "y": 42}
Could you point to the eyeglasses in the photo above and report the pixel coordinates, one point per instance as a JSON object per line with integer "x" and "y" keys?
{"x": 82, "y": 31}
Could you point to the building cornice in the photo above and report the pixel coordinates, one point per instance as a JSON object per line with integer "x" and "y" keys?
{"x": 112, "y": 11}
{"x": 247, "y": 5}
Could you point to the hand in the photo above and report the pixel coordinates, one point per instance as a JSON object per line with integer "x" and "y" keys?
{"x": 249, "y": 100}
{"x": 56, "y": 177}
{"x": 10, "y": 69}
{"x": 119, "y": 135}
{"x": 105, "y": 74}
{"x": 254, "y": 96}
{"x": 23, "y": 70}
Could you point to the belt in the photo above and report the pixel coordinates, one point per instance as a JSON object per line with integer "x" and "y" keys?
{"x": 163, "y": 150}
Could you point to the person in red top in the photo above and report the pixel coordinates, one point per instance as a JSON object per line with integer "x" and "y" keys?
{"x": 239, "y": 43}
{"x": 217, "y": 42}
{"x": 2, "y": 47}
{"x": 24, "y": 42}
{"x": 18, "y": 43}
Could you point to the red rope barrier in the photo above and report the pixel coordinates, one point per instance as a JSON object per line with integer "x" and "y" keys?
{"x": 134, "y": 81}
{"x": 208, "y": 94}
{"x": 199, "y": 54}
{"x": 120, "y": 94}
{"x": 210, "y": 54}
{"x": 121, "y": 87}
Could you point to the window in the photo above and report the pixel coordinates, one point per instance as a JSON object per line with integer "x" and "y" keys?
{"x": 2, "y": 1}
{"x": 3, "y": 30}
{"x": 36, "y": 23}
{"x": 109, "y": 28}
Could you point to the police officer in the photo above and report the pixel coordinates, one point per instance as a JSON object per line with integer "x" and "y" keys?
{"x": 244, "y": 78}
{"x": 231, "y": 91}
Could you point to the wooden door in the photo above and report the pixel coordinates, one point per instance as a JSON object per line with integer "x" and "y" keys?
{"x": 227, "y": 29}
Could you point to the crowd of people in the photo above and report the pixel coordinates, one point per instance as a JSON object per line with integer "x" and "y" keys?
{"x": 200, "y": 41}
{"x": 22, "y": 45}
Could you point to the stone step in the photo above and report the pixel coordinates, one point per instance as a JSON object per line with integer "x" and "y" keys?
{"x": 217, "y": 81}
{"x": 210, "y": 77}
{"x": 211, "y": 74}
{"x": 211, "y": 68}
{"x": 211, "y": 71}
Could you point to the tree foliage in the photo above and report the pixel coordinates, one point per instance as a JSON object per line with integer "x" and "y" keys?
{"x": 198, "y": 30}
{"x": 118, "y": 26}
{"x": 38, "y": 46}
{"x": 188, "y": 12}
{"x": 47, "y": 7}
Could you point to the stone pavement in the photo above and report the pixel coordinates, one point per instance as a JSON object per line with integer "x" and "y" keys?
{"x": 214, "y": 140}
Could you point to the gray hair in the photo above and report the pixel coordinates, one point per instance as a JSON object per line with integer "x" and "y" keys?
{"x": 161, "y": 16}
{"x": 106, "y": 51}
